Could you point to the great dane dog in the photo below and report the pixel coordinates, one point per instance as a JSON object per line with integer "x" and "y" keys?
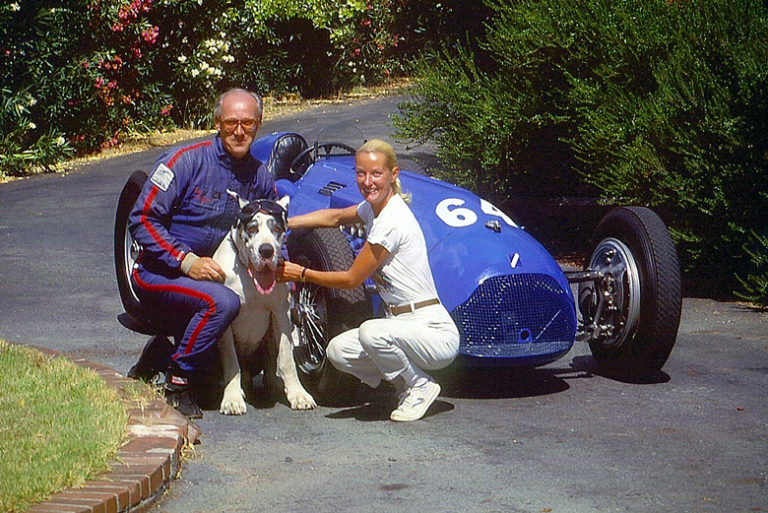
{"x": 249, "y": 255}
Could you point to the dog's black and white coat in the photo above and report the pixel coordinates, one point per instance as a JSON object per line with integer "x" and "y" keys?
{"x": 249, "y": 256}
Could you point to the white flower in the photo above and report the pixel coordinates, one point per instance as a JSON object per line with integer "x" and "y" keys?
{"x": 194, "y": 73}
{"x": 182, "y": 58}
{"x": 31, "y": 101}
{"x": 204, "y": 66}
{"x": 15, "y": 7}
{"x": 60, "y": 141}
{"x": 228, "y": 58}
{"x": 31, "y": 126}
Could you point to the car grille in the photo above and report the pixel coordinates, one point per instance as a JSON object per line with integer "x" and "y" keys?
{"x": 516, "y": 316}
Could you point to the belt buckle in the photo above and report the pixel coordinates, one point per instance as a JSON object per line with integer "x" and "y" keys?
{"x": 401, "y": 309}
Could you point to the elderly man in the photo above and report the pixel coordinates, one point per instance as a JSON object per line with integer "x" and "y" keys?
{"x": 180, "y": 217}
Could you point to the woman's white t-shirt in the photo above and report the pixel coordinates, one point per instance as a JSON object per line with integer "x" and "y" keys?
{"x": 405, "y": 276}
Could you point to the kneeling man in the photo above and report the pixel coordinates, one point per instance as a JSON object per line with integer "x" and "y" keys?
{"x": 181, "y": 216}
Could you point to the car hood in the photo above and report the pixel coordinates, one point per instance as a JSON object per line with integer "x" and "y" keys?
{"x": 469, "y": 240}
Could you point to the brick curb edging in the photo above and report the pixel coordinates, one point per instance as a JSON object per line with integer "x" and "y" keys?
{"x": 144, "y": 466}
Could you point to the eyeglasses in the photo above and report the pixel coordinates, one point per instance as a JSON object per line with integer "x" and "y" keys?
{"x": 248, "y": 125}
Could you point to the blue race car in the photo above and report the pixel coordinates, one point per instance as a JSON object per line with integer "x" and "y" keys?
{"x": 512, "y": 302}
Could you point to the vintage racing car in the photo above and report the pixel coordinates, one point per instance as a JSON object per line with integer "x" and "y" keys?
{"x": 512, "y": 302}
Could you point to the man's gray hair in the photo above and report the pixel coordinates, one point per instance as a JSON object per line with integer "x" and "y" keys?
{"x": 255, "y": 96}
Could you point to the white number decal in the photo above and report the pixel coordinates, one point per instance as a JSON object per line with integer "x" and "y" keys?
{"x": 456, "y": 217}
{"x": 493, "y": 211}
{"x": 452, "y": 213}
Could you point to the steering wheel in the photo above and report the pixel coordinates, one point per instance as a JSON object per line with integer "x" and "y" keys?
{"x": 313, "y": 153}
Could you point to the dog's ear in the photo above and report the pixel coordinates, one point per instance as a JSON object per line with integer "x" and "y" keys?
{"x": 284, "y": 202}
{"x": 240, "y": 201}
{"x": 240, "y": 243}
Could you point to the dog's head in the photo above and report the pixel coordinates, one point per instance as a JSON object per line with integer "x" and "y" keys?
{"x": 258, "y": 233}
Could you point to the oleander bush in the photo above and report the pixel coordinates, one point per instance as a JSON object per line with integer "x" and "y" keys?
{"x": 23, "y": 145}
{"x": 650, "y": 102}
{"x": 87, "y": 74}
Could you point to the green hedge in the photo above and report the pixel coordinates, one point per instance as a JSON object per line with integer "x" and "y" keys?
{"x": 650, "y": 102}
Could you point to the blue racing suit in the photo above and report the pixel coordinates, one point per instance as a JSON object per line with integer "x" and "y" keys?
{"x": 185, "y": 208}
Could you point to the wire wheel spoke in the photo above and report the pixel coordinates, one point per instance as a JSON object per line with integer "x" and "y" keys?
{"x": 312, "y": 340}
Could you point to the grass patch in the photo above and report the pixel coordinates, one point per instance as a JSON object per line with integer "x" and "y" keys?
{"x": 60, "y": 425}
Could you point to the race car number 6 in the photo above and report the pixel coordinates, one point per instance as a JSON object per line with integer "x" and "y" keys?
{"x": 452, "y": 213}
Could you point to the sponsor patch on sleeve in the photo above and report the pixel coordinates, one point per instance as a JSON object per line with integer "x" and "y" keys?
{"x": 162, "y": 177}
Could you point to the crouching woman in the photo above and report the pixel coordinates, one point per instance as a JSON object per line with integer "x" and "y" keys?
{"x": 417, "y": 334}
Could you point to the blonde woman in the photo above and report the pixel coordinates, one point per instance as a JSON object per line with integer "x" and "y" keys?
{"x": 417, "y": 333}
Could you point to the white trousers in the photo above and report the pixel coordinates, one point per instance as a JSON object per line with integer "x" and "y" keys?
{"x": 426, "y": 339}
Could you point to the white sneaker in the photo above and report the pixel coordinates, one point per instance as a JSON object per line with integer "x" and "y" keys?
{"x": 416, "y": 402}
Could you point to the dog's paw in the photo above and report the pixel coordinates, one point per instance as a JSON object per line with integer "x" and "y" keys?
{"x": 300, "y": 400}
{"x": 233, "y": 403}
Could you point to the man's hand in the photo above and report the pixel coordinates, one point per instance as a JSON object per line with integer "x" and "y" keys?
{"x": 206, "y": 268}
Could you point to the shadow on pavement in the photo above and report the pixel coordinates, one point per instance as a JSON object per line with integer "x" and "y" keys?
{"x": 379, "y": 411}
{"x": 588, "y": 365}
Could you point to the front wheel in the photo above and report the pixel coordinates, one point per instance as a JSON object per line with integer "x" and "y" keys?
{"x": 320, "y": 313}
{"x": 631, "y": 311}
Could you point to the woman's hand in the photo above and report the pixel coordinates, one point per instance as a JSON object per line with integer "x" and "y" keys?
{"x": 366, "y": 262}
{"x": 288, "y": 271}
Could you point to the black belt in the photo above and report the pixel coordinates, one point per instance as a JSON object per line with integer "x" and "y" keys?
{"x": 410, "y": 307}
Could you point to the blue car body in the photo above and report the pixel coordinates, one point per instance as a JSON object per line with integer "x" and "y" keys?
{"x": 512, "y": 303}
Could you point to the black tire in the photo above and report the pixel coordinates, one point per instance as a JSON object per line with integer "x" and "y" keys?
{"x": 333, "y": 310}
{"x": 634, "y": 245}
{"x": 125, "y": 250}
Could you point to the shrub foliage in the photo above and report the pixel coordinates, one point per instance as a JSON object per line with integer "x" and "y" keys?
{"x": 85, "y": 74}
{"x": 650, "y": 102}
{"x": 754, "y": 286}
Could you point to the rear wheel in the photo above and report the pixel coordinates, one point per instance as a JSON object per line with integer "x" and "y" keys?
{"x": 126, "y": 249}
{"x": 632, "y": 312}
{"x": 321, "y": 313}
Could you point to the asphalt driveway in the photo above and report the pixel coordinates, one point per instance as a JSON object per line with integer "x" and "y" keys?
{"x": 561, "y": 438}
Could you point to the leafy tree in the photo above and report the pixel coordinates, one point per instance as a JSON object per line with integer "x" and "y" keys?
{"x": 645, "y": 102}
